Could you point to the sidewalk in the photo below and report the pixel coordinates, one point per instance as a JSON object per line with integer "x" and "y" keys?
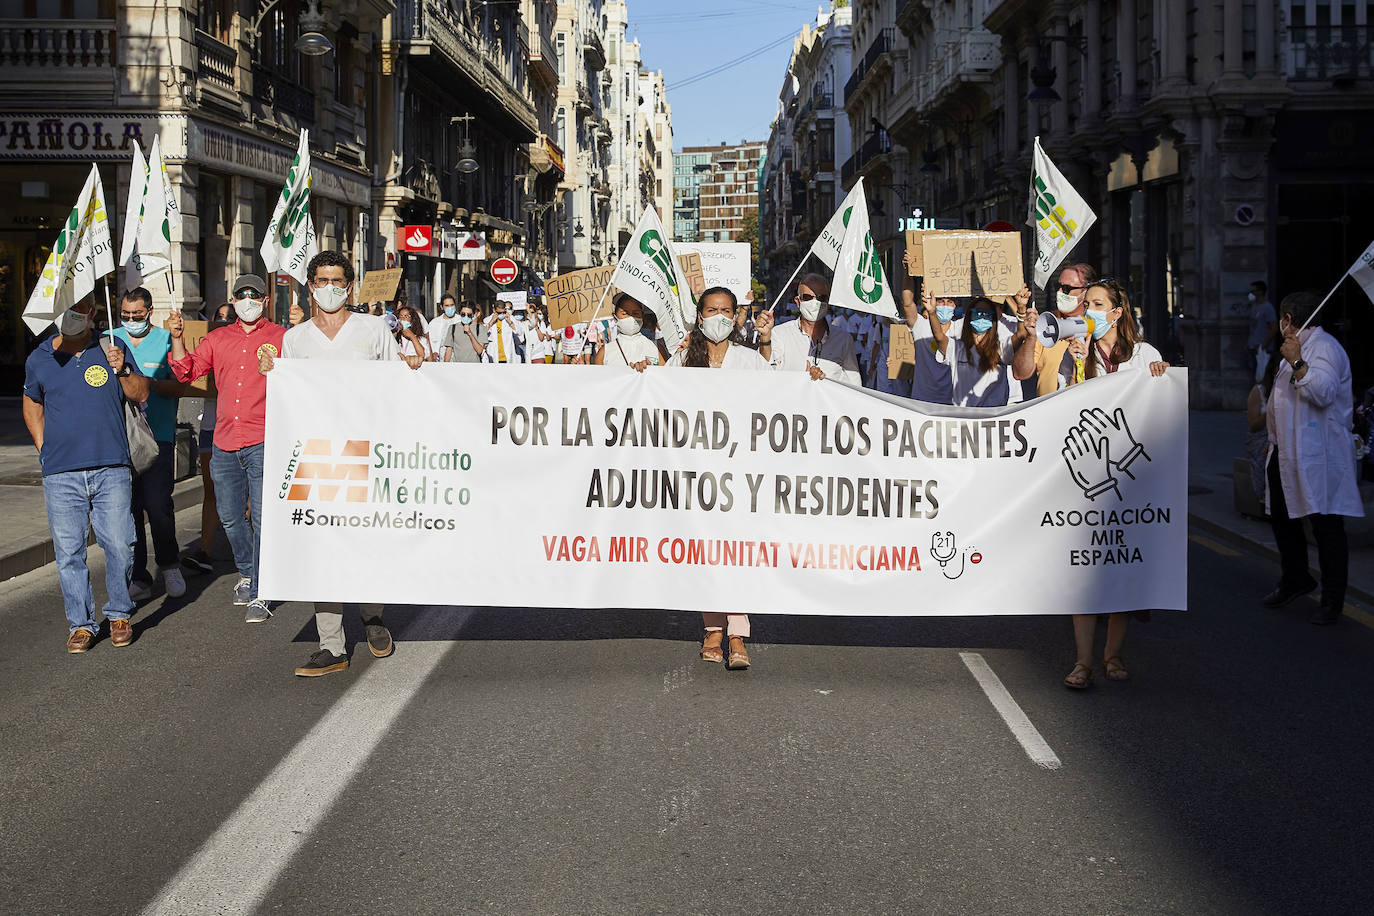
{"x": 25, "y": 541}
{"x": 1215, "y": 439}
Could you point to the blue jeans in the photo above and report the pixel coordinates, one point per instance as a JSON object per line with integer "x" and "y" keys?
{"x": 237, "y": 477}
{"x": 153, "y": 498}
{"x": 78, "y": 501}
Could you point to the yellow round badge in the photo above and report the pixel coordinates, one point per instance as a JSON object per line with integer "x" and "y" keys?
{"x": 97, "y": 376}
{"x": 267, "y": 350}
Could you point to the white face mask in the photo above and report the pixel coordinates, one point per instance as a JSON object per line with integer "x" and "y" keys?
{"x": 330, "y": 298}
{"x": 717, "y": 327}
{"x": 811, "y": 309}
{"x": 248, "y": 310}
{"x": 1252, "y": 297}
{"x": 73, "y": 323}
{"x": 1065, "y": 302}
{"x": 629, "y": 326}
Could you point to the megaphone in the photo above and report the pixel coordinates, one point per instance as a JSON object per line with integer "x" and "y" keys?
{"x": 1051, "y": 329}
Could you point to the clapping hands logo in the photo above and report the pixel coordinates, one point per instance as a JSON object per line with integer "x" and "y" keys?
{"x": 1098, "y": 449}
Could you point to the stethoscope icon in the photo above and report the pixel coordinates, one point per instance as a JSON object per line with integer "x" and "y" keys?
{"x": 943, "y": 549}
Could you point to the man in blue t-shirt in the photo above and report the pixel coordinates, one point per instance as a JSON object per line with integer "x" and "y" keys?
{"x": 73, "y": 409}
{"x": 152, "y": 495}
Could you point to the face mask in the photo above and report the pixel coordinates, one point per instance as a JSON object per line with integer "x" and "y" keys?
{"x": 73, "y": 323}
{"x": 450, "y": 310}
{"x": 811, "y": 309}
{"x": 1100, "y": 324}
{"x": 1065, "y": 302}
{"x": 330, "y": 298}
{"x": 248, "y": 310}
{"x": 717, "y": 327}
{"x": 1251, "y": 297}
{"x": 466, "y": 319}
{"x": 137, "y": 328}
{"x": 981, "y": 323}
{"x": 628, "y": 326}
{"x": 944, "y": 313}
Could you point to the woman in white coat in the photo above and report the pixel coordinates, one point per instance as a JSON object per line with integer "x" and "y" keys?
{"x": 1311, "y": 463}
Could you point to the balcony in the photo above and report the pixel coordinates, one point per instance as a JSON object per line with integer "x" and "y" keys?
{"x": 283, "y": 94}
{"x": 1339, "y": 53}
{"x": 593, "y": 51}
{"x": 216, "y": 74}
{"x": 820, "y": 101}
{"x": 849, "y": 170}
{"x": 72, "y": 60}
{"x": 543, "y": 61}
{"x": 873, "y": 57}
{"x": 972, "y": 58}
{"x": 432, "y": 30}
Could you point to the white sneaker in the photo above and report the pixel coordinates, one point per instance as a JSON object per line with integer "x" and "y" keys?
{"x": 173, "y": 581}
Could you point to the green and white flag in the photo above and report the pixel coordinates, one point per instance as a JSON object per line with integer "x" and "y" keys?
{"x": 1057, "y": 214}
{"x": 290, "y": 241}
{"x": 133, "y": 212}
{"x": 860, "y": 283}
{"x": 81, "y": 256}
{"x": 648, "y": 271}
{"x": 827, "y": 244}
{"x": 157, "y": 219}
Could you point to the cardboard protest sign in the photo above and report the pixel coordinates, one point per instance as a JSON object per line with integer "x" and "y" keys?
{"x": 915, "y": 239}
{"x": 193, "y": 332}
{"x": 573, "y": 297}
{"x": 901, "y": 351}
{"x": 722, "y": 264}
{"x": 380, "y": 285}
{"x": 973, "y": 263}
{"x": 692, "y": 271}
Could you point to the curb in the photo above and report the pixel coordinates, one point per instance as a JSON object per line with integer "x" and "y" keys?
{"x": 1240, "y": 540}
{"x": 186, "y": 494}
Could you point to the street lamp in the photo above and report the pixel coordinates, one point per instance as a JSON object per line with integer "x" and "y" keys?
{"x": 1043, "y": 74}
{"x": 312, "y": 40}
{"x": 467, "y": 161}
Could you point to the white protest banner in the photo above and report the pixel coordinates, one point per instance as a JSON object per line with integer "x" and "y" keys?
{"x": 1059, "y": 216}
{"x": 860, "y": 282}
{"x": 648, "y": 271}
{"x": 82, "y": 254}
{"x": 290, "y": 241}
{"x": 158, "y": 216}
{"x": 724, "y": 264}
{"x": 667, "y": 489}
{"x": 517, "y": 298}
{"x": 133, "y": 218}
{"x": 827, "y": 244}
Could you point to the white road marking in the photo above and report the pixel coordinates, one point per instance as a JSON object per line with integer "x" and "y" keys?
{"x": 1032, "y": 742}
{"x": 236, "y": 867}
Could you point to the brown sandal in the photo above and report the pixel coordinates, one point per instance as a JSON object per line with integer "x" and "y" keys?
{"x": 710, "y": 648}
{"x": 1116, "y": 671}
{"x": 1080, "y": 678}
{"x": 739, "y": 658}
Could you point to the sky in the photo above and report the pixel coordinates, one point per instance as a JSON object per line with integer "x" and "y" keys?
{"x": 685, "y": 40}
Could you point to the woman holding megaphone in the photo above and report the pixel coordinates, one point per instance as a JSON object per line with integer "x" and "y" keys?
{"x": 1111, "y": 342}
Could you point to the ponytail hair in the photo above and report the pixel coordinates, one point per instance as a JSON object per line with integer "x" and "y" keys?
{"x": 1127, "y": 331}
{"x": 698, "y": 356}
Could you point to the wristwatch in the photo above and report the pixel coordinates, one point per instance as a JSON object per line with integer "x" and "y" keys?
{"x": 124, "y": 371}
{"x": 1297, "y": 367}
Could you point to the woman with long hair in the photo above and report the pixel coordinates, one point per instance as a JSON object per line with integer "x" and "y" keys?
{"x": 409, "y": 333}
{"x": 978, "y": 350}
{"x": 713, "y": 344}
{"x": 1117, "y": 345}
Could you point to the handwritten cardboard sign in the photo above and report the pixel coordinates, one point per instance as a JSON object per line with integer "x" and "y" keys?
{"x": 901, "y": 351}
{"x": 915, "y": 239}
{"x": 692, "y": 271}
{"x": 973, "y": 263}
{"x": 379, "y": 285}
{"x": 572, "y": 297}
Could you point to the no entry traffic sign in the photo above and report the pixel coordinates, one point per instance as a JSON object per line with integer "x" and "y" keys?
{"x": 504, "y": 270}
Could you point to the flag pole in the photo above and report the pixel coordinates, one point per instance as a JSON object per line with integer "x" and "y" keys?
{"x": 1323, "y": 302}
{"x": 109, "y": 308}
{"x": 788, "y": 284}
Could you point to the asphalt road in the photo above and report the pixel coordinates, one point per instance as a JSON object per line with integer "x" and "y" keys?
{"x": 519, "y": 761}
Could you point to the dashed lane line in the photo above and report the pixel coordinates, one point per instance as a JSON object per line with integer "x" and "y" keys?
{"x": 1214, "y": 546}
{"x": 1035, "y": 746}
{"x": 237, "y": 866}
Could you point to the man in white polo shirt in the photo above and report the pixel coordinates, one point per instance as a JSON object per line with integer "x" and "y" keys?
{"x": 809, "y": 344}
{"x": 335, "y": 332}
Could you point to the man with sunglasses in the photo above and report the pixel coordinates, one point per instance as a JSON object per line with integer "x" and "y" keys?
{"x": 810, "y": 343}
{"x": 1034, "y": 359}
{"x": 232, "y": 353}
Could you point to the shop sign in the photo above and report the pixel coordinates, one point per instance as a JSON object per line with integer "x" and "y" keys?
{"x": 415, "y": 239}
{"x": 243, "y": 154}
{"x": 448, "y": 241}
{"x": 472, "y": 246}
{"x": 105, "y": 135}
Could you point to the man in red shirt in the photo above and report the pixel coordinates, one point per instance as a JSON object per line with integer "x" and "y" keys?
{"x": 232, "y": 353}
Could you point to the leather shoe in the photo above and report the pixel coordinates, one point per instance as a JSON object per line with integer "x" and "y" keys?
{"x": 1285, "y": 594}
{"x": 121, "y": 632}
{"x": 80, "y": 640}
{"x": 1325, "y": 617}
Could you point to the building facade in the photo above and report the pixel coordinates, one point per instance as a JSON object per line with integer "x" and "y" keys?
{"x": 690, "y": 167}
{"x": 658, "y": 115}
{"x": 729, "y": 190}
{"x": 1218, "y": 143}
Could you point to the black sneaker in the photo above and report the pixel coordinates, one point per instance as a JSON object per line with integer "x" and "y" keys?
{"x": 379, "y": 638}
{"x": 1286, "y": 594}
{"x": 197, "y": 562}
{"x": 321, "y": 663}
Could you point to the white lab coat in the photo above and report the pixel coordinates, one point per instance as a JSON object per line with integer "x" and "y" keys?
{"x": 1309, "y": 424}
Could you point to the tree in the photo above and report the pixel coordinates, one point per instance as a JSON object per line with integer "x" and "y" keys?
{"x": 749, "y": 233}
